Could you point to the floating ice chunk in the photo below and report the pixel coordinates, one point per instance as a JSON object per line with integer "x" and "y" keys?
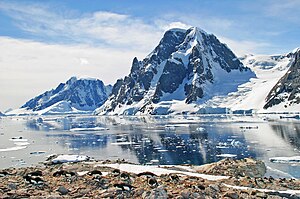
{"x": 293, "y": 159}
{"x": 70, "y": 158}
{"x": 22, "y": 143}
{"x": 226, "y": 155}
{"x": 162, "y": 150}
{"x": 236, "y": 143}
{"x": 123, "y": 143}
{"x": 89, "y": 129}
{"x": 15, "y": 148}
{"x": 121, "y": 140}
{"x": 177, "y": 125}
{"x": 200, "y": 129}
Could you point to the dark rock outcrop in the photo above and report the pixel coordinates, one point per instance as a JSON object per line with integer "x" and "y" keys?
{"x": 287, "y": 89}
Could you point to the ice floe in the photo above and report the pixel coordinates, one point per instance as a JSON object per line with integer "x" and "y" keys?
{"x": 292, "y": 159}
{"x": 123, "y": 143}
{"x": 89, "y": 129}
{"x": 70, "y": 158}
{"x": 15, "y": 148}
{"x": 226, "y": 155}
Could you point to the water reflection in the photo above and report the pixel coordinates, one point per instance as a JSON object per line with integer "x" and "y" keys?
{"x": 290, "y": 133}
{"x": 150, "y": 140}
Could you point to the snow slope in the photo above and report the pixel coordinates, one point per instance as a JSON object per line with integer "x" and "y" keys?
{"x": 252, "y": 95}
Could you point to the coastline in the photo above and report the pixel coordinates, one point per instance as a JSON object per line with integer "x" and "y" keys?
{"x": 86, "y": 178}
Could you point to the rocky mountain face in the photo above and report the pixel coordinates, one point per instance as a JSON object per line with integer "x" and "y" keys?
{"x": 190, "y": 66}
{"x": 287, "y": 89}
{"x": 85, "y": 94}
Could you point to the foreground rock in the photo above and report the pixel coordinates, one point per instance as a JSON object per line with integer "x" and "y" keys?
{"x": 245, "y": 167}
{"x": 119, "y": 179}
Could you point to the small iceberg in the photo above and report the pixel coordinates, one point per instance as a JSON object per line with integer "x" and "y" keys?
{"x": 200, "y": 129}
{"x": 293, "y": 159}
{"x": 15, "y": 148}
{"x": 69, "y": 158}
{"x": 123, "y": 143}
{"x": 226, "y": 155}
{"x": 89, "y": 129}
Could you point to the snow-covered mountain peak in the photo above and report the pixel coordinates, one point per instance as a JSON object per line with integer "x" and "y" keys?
{"x": 296, "y": 50}
{"x": 78, "y": 94}
{"x": 80, "y": 78}
{"x": 187, "y": 65}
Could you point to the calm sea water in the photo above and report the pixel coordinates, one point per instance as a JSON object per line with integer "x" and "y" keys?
{"x": 25, "y": 141}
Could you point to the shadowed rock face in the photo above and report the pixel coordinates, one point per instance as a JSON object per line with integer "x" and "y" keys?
{"x": 287, "y": 89}
{"x": 82, "y": 94}
{"x": 183, "y": 63}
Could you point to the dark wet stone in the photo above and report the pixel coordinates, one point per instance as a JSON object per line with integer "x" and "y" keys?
{"x": 95, "y": 172}
{"x": 124, "y": 176}
{"x": 12, "y": 186}
{"x": 35, "y": 173}
{"x": 3, "y": 173}
{"x": 159, "y": 192}
{"x": 152, "y": 182}
{"x": 62, "y": 190}
{"x": 116, "y": 172}
{"x": 231, "y": 194}
{"x": 64, "y": 173}
{"x": 123, "y": 187}
{"x": 149, "y": 174}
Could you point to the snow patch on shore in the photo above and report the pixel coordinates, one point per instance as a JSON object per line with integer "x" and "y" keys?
{"x": 131, "y": 168}
{"x": 288, "y": 191}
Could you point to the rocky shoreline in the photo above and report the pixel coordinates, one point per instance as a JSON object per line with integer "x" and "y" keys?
{"x": 227, "y": 178}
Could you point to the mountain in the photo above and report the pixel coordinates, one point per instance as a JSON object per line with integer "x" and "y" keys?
{"x": 251, "y": 96}
{"x": 77, "y": 95}
{"x": 186, "y": 69}
{"x": 285, "y": 95}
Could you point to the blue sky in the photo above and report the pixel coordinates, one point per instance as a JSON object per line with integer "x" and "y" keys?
{"x": 269, "y": 26}
{"x": 54, "y": 40}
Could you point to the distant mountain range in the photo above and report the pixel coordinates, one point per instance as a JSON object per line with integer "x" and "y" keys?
{"x": 77, "y": 95}
{"x": 188, "y": 72}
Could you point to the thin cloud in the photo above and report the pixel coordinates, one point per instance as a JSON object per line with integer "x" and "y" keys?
{"x": 242, "y": 47}
{"x": 99, "y": 28}
{"x": 29, "y": 68}
{"x": 288, "y": 9}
